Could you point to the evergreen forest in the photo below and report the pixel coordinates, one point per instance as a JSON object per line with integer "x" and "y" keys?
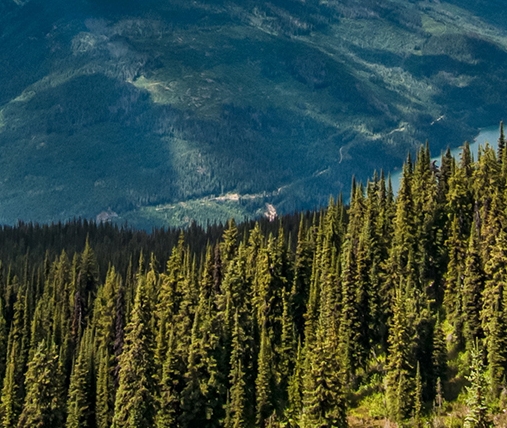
{"x": 390, "y": 310}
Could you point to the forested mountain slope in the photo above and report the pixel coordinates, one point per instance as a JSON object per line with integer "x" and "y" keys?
{"x": 168, "y": 111}
{"x": 391, "y": 309}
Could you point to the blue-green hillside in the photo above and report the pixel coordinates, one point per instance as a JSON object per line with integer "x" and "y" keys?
{"x": 164, "y": 112}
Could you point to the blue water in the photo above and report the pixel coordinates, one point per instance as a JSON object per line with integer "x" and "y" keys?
{"x": 487, "y": 135}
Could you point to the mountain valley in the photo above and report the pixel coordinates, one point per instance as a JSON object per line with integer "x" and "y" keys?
{"x": 157, "y": 112}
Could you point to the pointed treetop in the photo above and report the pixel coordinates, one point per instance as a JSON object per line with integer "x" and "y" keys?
{"x": 501, "y": 141}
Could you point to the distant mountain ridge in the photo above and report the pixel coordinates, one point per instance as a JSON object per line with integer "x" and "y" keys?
{"x": 156, "y": 111}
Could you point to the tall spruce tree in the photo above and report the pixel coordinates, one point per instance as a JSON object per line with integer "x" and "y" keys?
{"x": 473, "y": 286}
{"x": 353, "y": 323}
{"x": 170, "y": 386}
{"x": 236, "y": 408}
{"x": 13, "y": 390}
{"x": 501, "y": 141}
{"x": 323, "y": 376}
{"x": 402, "y": 356}
{"x": 43, "y": 405}
{"x": 264, "y": 380}
{"x": 202, "y": 397}
{"x": 80, "y": 402}
{"x": 493, "y": 314}
{"x": 104, "y": 388}
{"x": 454, "y": 276}
{"x": 477, "y": 409}
{"x": 135, "y": 403}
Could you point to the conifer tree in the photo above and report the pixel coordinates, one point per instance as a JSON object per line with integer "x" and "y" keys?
{"x": 79, "y": 402}
{"x": 424, "y": 190}
{"x": 460, "y": 201}
{"x": 104, "y": 315}
{"x": 104, "y": 392}
{"x": 502, "y": 154}
{"x": 86, "y": 282}
{"x": 43, "y": 407}
{"x": 454, "y": 276}
{"x": 88, "y": 272}
{"x": 61, "y": 287}
{"x": 40, "y": 325}
{"x": 104, "y": 309}
{"x": 229, "y": 246}
{"x": 492, "y": 314}
{"x": 476, "y": 402}
{"x": 385, "y": 226}
{"x": 349, "y": 347}
{"x": 263, "y": 382}
{"x": 473, "y": 286}
{"x": 418, "y": 397}
{"x": 501, "y": 141}
{"x": 403, "y": 338}
{"x": 302, "y": 275}
{"x": 184, "y": 318}
{"x": 3, "y": 340}
{"x": 438, "y": 357}
{"x": 234, "y": 300}
{"x": 174, "y": 297}
{"x": 402, "y": 253}
{"x": 134, "y": 404}
{"x": 323, "y": 396}
{"x": 313, "y": 301}
{"x": 372, "y": 253}
{"x": 269, "y": 287}
{"x": 203, "y": 392}
{"x": 448, "y": 163}
{"x": 489, "y": 204}
{"x": 236, "y": 408}
{"x": 355, "y": 287}
{"x": 286, "y": 352}
{"x": 119, "y": 326}
{"x": 323, "y": 390}
{"x": 170, "y": 388}
{"x": 254, "y": 246}
{"x": 295, "y": 391}
{"x": 13, "y": 391}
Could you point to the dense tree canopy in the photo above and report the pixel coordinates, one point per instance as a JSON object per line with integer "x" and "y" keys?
{"x": 390, "y": 307}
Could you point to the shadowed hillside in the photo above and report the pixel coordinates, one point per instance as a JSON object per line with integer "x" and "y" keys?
{"x": 173, "y": 111}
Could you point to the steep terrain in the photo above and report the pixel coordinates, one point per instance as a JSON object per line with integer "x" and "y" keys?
{"x": 176, "y": 110}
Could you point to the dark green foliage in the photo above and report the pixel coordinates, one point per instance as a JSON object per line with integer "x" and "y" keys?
{"x": 79, "y": 401}
{"x": 135, "y": 404}
{"x": 501, "y": 141}
{"x": 438, "y": 358}
{"x": 418, "y": 398}
{"x": 268, "y": 324}
{"x": 43, "y": 406}
{"x": 473, "y": 285}
{"x": 104, "y": 395}
{"x": 453, "y": 280}
{"x": 236, "y": 415}
{"x": 403, "y": 337}
{"x": 13, "y": 385}
{"x": 202, "y": 396}
{"x": 476, "y": 402}
{"x": 3, "y": 340}
{"x": 170, "y": 388}
{"x": 493, "y": 314}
